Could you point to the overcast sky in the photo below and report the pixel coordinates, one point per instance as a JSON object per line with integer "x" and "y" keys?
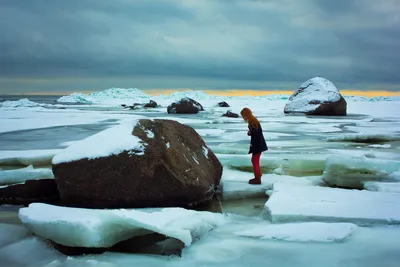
{"x": 71, "y": 45}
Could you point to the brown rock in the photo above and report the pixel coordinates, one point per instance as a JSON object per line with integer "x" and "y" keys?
{"x": 231, "y": 115}
{"x": 174, "y": 171}
{"x": 223, "y": 104}
{"x": 44, "y": 190}
{"x": 185, "y": 106}
{"x": 151, "y": 104}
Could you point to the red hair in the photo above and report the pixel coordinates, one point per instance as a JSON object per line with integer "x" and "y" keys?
{"x": 249, "y": 117}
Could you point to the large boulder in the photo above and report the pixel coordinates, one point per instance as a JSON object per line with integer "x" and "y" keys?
{"x": 317, "y": 96}
{"x": 145, "y": 163}
{"x": 185, "y": 106}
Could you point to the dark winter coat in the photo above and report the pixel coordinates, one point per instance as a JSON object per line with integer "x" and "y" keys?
{"x": 257, "y": 142}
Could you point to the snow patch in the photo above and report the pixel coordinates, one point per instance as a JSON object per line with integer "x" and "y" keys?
{"x": 205, "y": 151}
{"x": 112, "y": 141}
{"x": 380, "y": 146}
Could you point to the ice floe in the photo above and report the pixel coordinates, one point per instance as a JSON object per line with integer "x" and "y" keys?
{"x": 234, "y": 184}
{"x": 27, "y": 157}
{"x": 351, "y": 172}
{"x": 98, "y": 228}
{"x": 290, "y": 203}
{"x": 383, "y": 187}
{"x": 21, "y": 175}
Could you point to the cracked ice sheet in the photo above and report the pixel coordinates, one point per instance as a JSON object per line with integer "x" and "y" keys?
{"x": 235, "y": 184}
{"x": 65, "y": 225}
{"x": 300, "y": 232}
{"x": 289, "y": 128}
{"x": 365, "y": 152}
{"x": 290, "y": 203}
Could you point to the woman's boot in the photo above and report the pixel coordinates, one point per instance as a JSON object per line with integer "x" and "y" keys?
{"x": 255, "y": 180}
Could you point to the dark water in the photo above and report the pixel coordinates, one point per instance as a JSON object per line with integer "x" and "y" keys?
{"x": 49, "y": 138}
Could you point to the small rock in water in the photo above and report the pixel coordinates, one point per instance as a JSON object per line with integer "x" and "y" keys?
{"x": 151, "y": 104}
{"x": 230, "y": 115}
{"x": 223, "y": 104}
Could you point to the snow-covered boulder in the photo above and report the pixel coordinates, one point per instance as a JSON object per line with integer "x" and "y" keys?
{"x": 290, "y": 203}
{"x": 317, "y": 96}
{"x": 352, "y": 172}
{"x": 91, "y": 228}
{"x": 185, "y": 106}
{"x": 43, "y": 190}
{"x": 144, "y": 163}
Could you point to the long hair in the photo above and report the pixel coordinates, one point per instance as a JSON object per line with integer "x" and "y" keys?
{"x": 249, "y": 117}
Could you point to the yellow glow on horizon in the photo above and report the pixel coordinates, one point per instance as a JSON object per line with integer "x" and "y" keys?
{"x": 232, "y": 92}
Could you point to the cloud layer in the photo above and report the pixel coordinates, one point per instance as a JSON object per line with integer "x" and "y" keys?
{"x": 275, "y": 44}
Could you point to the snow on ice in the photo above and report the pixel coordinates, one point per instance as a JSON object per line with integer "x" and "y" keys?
{"x": 301, "y": 232}
{"x": 290, "y": 203}
{"x": 97, "y": 228}
{"x": 22, "y": 103}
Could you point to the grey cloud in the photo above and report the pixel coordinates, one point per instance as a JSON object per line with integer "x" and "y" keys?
{"x": 257, "y": 44}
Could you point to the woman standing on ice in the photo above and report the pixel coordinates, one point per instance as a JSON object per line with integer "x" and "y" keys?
{"x": 257, "y": 143}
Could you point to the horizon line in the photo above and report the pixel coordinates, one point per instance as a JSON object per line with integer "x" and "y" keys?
{"x": 228, "y": 92}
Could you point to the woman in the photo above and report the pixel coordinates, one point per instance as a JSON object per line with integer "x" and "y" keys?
{"x": 257, "y": 143}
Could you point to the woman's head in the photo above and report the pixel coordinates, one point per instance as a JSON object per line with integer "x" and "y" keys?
{"x": 248, "y": 117}
{"x": 246, "y": 114}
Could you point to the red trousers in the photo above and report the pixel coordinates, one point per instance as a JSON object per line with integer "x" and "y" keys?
{"x": 255, "y": 160}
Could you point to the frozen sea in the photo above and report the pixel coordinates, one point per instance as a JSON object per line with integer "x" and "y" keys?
{"x": 302, "y": 223}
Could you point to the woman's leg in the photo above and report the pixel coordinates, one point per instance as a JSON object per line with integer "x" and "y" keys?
{"x": 255, "y": 160}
